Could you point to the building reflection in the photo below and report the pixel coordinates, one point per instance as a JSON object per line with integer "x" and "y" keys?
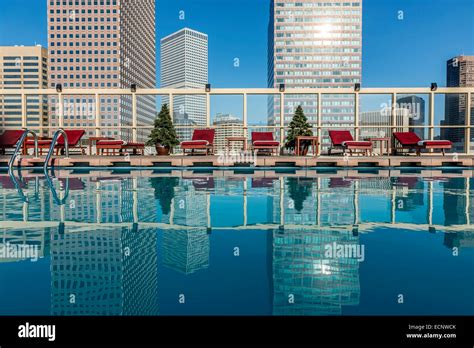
{"x": 105, "y": 253}
{"x": 104, "y": 272}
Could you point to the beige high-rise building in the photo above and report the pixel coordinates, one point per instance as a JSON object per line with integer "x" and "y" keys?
{"x": 23, "y": 67}
{"x": 103, "y": 44}
{"x": 315, "y": 44}
{"x": 227, "y": 126}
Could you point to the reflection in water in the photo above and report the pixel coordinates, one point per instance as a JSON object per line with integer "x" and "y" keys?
{"x": 110, "y": 234}
{"x": 104, "y": 272}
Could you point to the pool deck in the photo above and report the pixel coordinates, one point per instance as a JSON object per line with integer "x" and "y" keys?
{"x": 427, "y": 160}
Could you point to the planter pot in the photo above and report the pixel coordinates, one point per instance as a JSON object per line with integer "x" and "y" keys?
{"x": 162, "y": 150}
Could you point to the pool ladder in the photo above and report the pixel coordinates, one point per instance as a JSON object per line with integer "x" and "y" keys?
{"x": 56, "y": 136}
{"x": 18, "y": 147}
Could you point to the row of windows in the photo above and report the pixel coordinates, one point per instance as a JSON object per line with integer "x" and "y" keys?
{"x": 77, "y": 52}
{"x": 84, "y": 2}
{"x": 24, "y": 70}
{"x": 19, "y": 82}
{"x": 19, "y": 58}
{"x": 83, "y": 44}
{"x": 83, "y": 11}
{"x": 316, "y": 81}
{"x": 318, "y": 43}
{"x": 83, "y": 36}
{"x": 318, "y": 73}
{"x": 19, "y": 76}
{"x": 83, "y": 84}
{"x": 343, "y": 65}
{"x": 311, "y": 35}
{"x": 84, "y": 60}
{"x": 324, "y": 20}
{"x": 67, "y": 19}
{"x": 84, "y": 68}
{"x": 17, "y": 64}
{"x": 317, "y": 4}
{"x": 318, "y": 12}
{"x": 317, "y": 28}
{"x": 77, "y": 27}
{"x": 85, "y": 76}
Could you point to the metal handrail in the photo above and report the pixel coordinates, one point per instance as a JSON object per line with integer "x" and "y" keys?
{"x": 57, "y": 200}
{"x": 19, "y": 146}
{"x": 56, "y": 135}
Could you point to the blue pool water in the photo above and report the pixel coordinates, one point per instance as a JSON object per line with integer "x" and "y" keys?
{"x": 225, "y": 243}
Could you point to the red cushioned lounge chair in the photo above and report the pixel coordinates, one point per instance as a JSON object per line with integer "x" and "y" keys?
{"x": 342, "y": 139}
{"x": 119, "y": 147}
{"x": 203, "y": 139}
{"x": 411, "y": 141}
{"x": 74, "y": 137}
{"x": 265, "y": 141}
{"x": 9, "y": 139}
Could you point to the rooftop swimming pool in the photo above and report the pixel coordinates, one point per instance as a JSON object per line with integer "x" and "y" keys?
{"x": 236, "y": 243}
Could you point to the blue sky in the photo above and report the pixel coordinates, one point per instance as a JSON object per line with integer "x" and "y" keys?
{"x": 411, "y": 52}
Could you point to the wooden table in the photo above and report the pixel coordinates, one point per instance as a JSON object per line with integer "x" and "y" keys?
{"x": 314, "y": 143}
{"x": 229, "y": 140}
{"x": 382, "y": 141}
{"x": 93, "y": 140}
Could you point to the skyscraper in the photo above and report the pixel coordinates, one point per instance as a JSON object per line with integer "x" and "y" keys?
{"x": 184, "y": 64}
{"x": 416, "y": 113}
{"x": 103, "y": 44}
{"x": 227, "y": 126}
{"x": 460, "y": 73}
{"x": 315, "y": 44}
{"x": 23, "y": 68}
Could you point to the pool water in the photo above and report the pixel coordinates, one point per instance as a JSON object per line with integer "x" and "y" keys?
{"x": 225, "y": 243}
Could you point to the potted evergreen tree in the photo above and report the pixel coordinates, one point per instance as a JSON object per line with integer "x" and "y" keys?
{"x": 163, "y": 136}
{"x": 299, "y": 126}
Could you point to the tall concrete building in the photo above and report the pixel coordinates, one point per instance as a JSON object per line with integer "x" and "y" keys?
{"x": 460, "y": 73}
{"x": 23, "y": 68}
{"x": 315, "y": 44}
{"x": 227, "y": 125}
{"x": 184, "y": 64}
{"x": 378, "y": 123}
{"x": 103, "y": 44}
{"x": 415, "y": 107}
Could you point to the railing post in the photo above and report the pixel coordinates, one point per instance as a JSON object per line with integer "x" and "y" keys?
{"x": 320, "y": 123}
{"x": 97, "y": 115}
{"x": 467, "y": 141}
{"x": 432, "y": 116}
{"x": 60, "y": 110}
{"x": 356, "y": 115}
{"x": 134, "y": 118}
{"x": 208, "y": 109}
{"x": 282, "y": 118}
{"x": 393, "y": 117}
{"x": 244, "y": 115}
{"x": 24, "y": 111}
{"x": 171, "y": 106}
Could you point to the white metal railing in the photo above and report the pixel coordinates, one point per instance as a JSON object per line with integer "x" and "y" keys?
{"x": 245, "y": 93}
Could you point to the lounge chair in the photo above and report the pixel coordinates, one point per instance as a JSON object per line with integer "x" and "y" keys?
{"x": 203, "y": 139}
{"x": 411, "y": 141}
{"x": 74, "y": 137}
{"x": 9, "y": 139}
{"x": 119, "y": 147}
{"x": 265, "y": 141}
{"x": 342, "y": 139}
